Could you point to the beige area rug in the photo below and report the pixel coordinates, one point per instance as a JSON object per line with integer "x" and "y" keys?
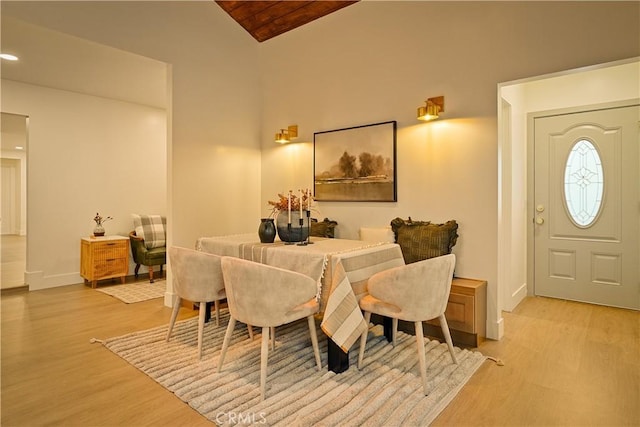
{"x": 386, "y": 392}
{"x": 136, "y": 292}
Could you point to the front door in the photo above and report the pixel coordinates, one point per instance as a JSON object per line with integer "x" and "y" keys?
{"x": 587, "y": 206}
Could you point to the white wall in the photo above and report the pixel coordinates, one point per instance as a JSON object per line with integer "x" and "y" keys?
{"x": 614, "y": 82}
{"x": 214, "y": 167}
{"x": 213, "y": 145}
{"x": 378, "y": 61}
{"x": 86, "y": 155}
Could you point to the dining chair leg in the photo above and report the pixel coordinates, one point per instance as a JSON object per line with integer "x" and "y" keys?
{"x": 202, "y": 315}
{"x": 447, "y": 337}
{"x": 421, "y": 356}
{"x": 174, "y": 315}
{"x": 363, "y": 338}
{"x": 394, "y": 330}
{"x": 272, "y": 335}
{"x": 250, "y": 328}
{"x": 225, "y": 343}
{"x": 216, "y": 305}
{"x": 264, "y": 355}
{"x": 314, "y": 340}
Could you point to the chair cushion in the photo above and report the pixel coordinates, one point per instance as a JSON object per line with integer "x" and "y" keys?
{"x": 152, "y": 229}
{"x": 325, "y": 228}
{"x": 374, "y": 305}
{"x": 377, "y": 234}
{"x": 156, "y": 256}
{"x": 421, "y": 240}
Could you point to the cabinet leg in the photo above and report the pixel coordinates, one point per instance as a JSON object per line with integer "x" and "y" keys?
{"x": 94, "y": 283}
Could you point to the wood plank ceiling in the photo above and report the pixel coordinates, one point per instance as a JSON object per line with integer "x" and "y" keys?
{"x": 267, "y": 19}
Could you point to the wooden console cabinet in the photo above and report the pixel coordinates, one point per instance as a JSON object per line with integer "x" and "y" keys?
{"x": 466, "y": 313}
{"x": 104, "y": 258}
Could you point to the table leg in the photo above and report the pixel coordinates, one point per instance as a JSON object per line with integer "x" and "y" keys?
{"x": 207, "y": 313}
{"x": 338, "y": 360}
{"x": 388, "y": 328}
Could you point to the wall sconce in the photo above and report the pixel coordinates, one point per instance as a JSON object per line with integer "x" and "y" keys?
{"x": 432, "y": 109}
{"x": 286, "y": 135}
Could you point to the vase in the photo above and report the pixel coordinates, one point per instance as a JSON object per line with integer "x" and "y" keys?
{"x": 267, "y": 230}
{"x": 297, "y": 234}
{"x": 98, "y": 230}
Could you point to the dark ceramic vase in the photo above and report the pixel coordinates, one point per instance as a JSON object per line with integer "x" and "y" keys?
{"x": 267, "y": 230}
{"x": 296, "y": 234}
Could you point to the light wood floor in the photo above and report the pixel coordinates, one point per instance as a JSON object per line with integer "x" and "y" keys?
{"x": 13, "y": 260}
{"x": 565, "y": 364}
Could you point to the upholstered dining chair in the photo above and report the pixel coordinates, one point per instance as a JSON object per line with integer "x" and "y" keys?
{"x": 267, "y": 296}
{"x": 414, "y": 292}
{"x": 197, "y": 278}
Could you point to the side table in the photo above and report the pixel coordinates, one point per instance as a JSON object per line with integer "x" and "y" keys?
{"x": 104, "y": 258}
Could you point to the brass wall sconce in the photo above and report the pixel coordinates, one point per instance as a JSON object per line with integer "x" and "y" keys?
{"x": 432, "y": 109}
{"x": 286, "y": 135}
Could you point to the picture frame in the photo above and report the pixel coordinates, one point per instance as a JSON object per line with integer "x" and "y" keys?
{"x": 356, "y": 164}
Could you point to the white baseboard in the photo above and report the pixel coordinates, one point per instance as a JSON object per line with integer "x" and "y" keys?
{"x": 36, "y": 280}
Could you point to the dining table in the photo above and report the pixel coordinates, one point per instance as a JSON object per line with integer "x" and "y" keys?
{"x": 340, "y": 267}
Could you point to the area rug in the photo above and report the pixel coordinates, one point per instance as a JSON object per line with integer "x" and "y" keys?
{"x": 136, "y": 292}
{"x": 387, "y": 391}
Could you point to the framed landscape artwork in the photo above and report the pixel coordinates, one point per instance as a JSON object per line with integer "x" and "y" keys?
{"x": 356, "y": 164}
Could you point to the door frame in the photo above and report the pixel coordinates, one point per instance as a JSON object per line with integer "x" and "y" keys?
{"x": 517, "y": 99}
{"x": 531, "y": 171}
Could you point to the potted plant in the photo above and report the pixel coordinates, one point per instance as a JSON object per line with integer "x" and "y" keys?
{"x": 99, "y": 229}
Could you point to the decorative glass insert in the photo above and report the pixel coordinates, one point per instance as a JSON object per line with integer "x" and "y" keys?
{"x": 583, "y": 183}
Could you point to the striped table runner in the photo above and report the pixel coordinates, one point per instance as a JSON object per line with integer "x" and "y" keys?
{"x": 343, "y": 321}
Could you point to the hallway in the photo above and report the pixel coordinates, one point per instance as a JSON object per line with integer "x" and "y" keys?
{"x": 14, "y": 260}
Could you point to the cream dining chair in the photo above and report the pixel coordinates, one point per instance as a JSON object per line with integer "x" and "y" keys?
{"x": 197, "y": 278}
{"x": 267, "y": 297}
{"x": 414, "y": 292}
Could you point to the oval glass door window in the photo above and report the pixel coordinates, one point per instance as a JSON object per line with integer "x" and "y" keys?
{"x": 583, "y": 183}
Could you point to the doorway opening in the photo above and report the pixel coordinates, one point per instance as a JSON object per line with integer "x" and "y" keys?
{"x": 518, "y": 102}
{"x": 13, "y": 219}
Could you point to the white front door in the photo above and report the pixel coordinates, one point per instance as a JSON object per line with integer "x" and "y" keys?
{"x": 587, "y": 206}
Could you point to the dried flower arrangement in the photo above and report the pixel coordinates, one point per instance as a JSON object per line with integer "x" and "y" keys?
{"x": 100, "y": 220}
{"x": 291, "y": 201}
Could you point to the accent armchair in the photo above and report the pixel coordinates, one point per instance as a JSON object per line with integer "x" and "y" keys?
{"x": 266, "y": 296}
{"x": 197, "y": 278}
{"x": 147, "y": 257}
{"x": 148, "y": 243}
{"x": 414, "y": 292}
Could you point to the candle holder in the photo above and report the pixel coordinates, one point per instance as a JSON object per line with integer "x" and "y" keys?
{"x": 302, "y": 242}
{"x": 289, "y": 234}
{"x": 309, "y": 242}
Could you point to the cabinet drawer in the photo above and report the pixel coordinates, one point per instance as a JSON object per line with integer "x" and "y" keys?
{"x": 107, "y": 250}
{"x": 459, "y": 313}
{"x": 110, "y": 267}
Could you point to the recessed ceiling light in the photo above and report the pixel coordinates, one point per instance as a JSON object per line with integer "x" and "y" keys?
{"x": 8, "y": 57}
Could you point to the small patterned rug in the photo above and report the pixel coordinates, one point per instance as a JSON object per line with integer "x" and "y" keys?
{"x": 136, "y": 292}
